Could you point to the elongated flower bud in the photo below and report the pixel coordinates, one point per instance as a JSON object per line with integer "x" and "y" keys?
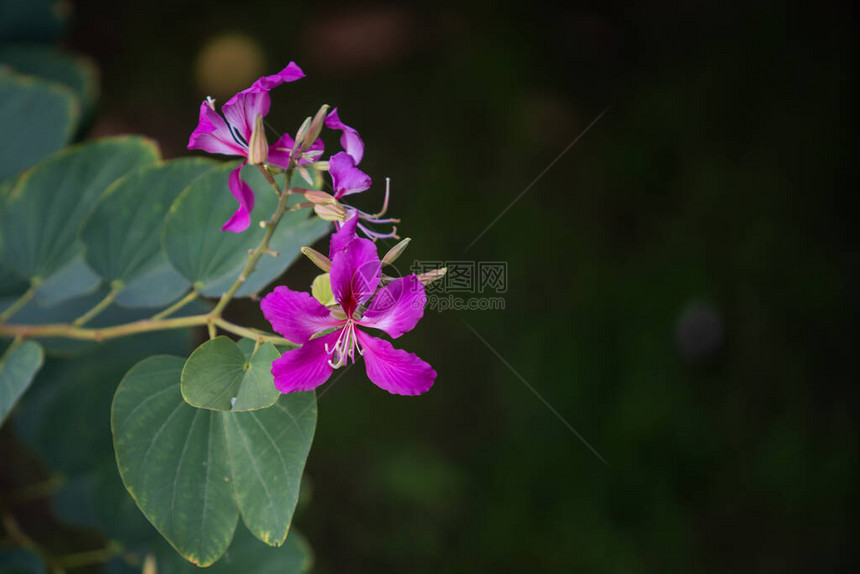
{"x": 315, "y": 128}
{"x": 302, "y": 133}
{"x": 258, "y": 147}
{"x": 395, "y": 252}
{"x": 330, "y": 212}
{"x": 319, "y": 197}
{"x": 317, "y": 258}
{"x": 430, "y": 276}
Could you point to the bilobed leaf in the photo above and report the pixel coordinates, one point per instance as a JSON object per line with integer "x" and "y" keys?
{"x": 38, "y": 118}
{"x": 267, "y": 449}
{"x": 155, "y": 288}
{"x": 72, "y": 280}
{"x": 161, "y": 446}
{"x": 77, "y": 73}
{"x": 41, "y": 217}
{"x": 246, "y": 554}
{"x": 217, "y": 376}
{"x": 170, "y": 457}
{"x": 212, "y": 259}
{"x": 17, "y": 369}
{"x": 122, "y": 236}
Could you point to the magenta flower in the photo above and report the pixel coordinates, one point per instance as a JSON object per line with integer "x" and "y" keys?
{"x": 347, "y": 178}
{"x": 395, "y": 309}
{"x": 241, "y": 133}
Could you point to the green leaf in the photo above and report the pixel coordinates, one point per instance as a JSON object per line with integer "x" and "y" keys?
{"x": 253, "y": 461}
{"x": 38, "y": 118}
{"x": 65, "y": 417}
{"x": 75, "y": 72}
{"x": 218, "y": 377}
{"x": 41, "y": 217}
{"x": 169, "y": 455}
{"x": 249, "y": 555}
{"x": 122, "y": 236}
{"x": 212, "y": 259}
{"x": 268, "y": 449}
{"x": 17, "y": 369}
{"x": 155, "y": 288}
{"x": 72, "y": 280}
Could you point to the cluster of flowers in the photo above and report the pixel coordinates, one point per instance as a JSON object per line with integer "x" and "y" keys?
{"x": 329, "y": 335}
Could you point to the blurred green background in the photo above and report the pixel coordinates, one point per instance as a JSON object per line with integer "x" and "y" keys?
{"x": 680, "y": 282}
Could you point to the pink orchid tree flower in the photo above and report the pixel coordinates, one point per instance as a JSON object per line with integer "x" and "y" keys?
{"x": 330, "y": 338}
{"x": 241, "y": 132}
{"x": 347, "y": 178}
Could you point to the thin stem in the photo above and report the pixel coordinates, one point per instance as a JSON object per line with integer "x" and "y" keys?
{"x": 252, "y": 334}
{"x": 262, "y": 248}
{"x": 17, "y": 305}
{"x": 35, "y": 491}
{"x": 191, "y": 296}
{"x": 74, "y": 332}
{"x": 101, "y": 306}
{"x": 210, "y": 326}
{"x": 88, "y": 557}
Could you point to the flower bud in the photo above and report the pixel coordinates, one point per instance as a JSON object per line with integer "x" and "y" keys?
{"x": 330, "y": 212}
{"x": 302, "y": 133}
{"x": 317, "y": 258}
{"x": 315, "y": 128}
{"x": 429, "y": 277}
{"x": 395, "y": 252}
{"x": 319, "y": 197}
{"x": 258, "y": 147}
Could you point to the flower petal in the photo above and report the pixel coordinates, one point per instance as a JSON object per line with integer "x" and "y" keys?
{"x": 213, "y": 135}
{"x": 242, "y": 109}
{"x": 297, "y": 316}
{"x": 281, "y": 150}
{"x": 397, "y": 307}
{"x": 305, "y": 368}
{"x": 349, "y": 139}
{"x": 355, "y": 273}
{"x": 343, "y": 236}
{"x": 345, "y": 177}
{"x": 395, "y": 370}
{"x": 243, "y": 193}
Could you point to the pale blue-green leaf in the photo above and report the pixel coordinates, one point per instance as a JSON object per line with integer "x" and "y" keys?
{"x": 122, "y": 235}
{"x": 49, "y": 63}
{"x": 17, "y": 369}
{"x": 40, "y": 219}
{"x": 72, "y": 280}
{"x": 218, "y": 376}
{"x": 38, "y": 118}
{"x": 169, "y": 455}
{"x": 268, "y": 450}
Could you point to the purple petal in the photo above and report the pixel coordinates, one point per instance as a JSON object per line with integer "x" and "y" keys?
{"x": 395, "y": 370}
{"x": 305, "y": 368}
{"x": 355, "y": 273}
{"x": 281, "y": 150}
{"x": 397, "y": 307}
{"x": 213, "y": 135}
{"x": 345, "y": 177}
{"x": 344, "y": 236}
{"x": 296, "y": 316}
{"x": 242, "y": 109}
{"x": 289, "y": 74}
{"x": 243, "y": 193}
{"x": 349, "y": 138}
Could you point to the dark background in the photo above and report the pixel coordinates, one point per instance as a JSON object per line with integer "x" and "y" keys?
{"x": 680, "y": 282}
